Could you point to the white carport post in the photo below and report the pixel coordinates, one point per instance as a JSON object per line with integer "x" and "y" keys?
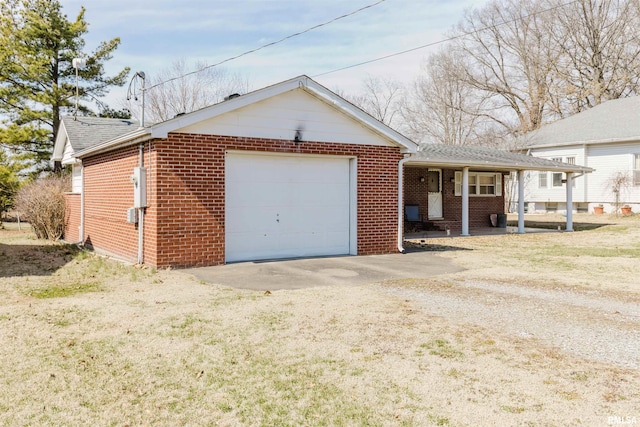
{"x": 569, "y": 201}
{"x": 465, "y": 201}
{"x": 520, "y": 202}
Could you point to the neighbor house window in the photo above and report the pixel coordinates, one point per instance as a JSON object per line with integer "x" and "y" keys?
{"x": 542, "y": 179}
{"x": 636, "y": 169}
{"x": 480, "y": 184}
{"x": 556, "y": 177}
{"x": 571, "y": 161}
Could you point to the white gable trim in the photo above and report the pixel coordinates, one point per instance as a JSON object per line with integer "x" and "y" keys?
{"x": 62, "y": 140}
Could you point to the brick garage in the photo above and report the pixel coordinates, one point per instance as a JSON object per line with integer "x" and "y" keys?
{"x": 184, "y": 219}
{"x": 186, "y": 175}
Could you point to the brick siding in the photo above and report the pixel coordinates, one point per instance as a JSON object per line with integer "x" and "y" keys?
{"x": 184, "y": 221}
{"x": 72, "y": 217}
{"x": 415, "y": 193}
{"x": 108, "y": 195}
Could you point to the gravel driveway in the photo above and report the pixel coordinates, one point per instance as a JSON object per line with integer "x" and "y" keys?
{"x": 586, "y": 323}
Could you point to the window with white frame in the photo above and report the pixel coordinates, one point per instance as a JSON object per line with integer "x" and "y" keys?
{"x": 556, "y": 177}
{"x": 480, "y": 184}
{"x": 542, "y": 179}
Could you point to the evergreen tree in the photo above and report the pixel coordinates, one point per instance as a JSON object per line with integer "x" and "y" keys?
{"x": 37, "y": 78}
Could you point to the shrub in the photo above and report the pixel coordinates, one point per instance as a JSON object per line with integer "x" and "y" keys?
{"x": 9, "y": 184}
{"x": 42, "y": 204}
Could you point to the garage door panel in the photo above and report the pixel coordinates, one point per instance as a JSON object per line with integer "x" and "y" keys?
{"x": 278, "y": 206}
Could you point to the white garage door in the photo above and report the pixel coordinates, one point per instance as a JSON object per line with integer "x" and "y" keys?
{"x": 286, "y": 206}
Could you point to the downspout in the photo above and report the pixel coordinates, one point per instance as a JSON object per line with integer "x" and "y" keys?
{"x": 401, "y": 202}
{"x": 141, "y": 216}
{"x": 81, "y": 232}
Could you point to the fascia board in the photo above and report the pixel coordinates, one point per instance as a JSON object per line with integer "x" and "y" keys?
{"x": 586, "y": 142}
{"x": 356, "y": 113}
{"x": 125, "y": 140}
{"x": 498, "y": 166}
{"x": 61, "y": 140}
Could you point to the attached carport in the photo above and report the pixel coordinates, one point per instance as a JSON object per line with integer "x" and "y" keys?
{"x": 464, "y": 160}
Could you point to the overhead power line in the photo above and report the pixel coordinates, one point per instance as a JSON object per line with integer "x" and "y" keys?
{"x": 445, "y": 40}
{"x": 270, "y": 44}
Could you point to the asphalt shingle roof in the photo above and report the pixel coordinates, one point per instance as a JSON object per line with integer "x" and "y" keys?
{"x": 486, "y": 158}
{"x": 85, "y": 132}
{"x": 610, "y": 121}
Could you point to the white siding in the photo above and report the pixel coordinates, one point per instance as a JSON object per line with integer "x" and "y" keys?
{"x": 76, "y": 178}
{"x": 280, "y": 116}
{"x": 593, "y": 188}
{"x": 68, "y": 154}
{"x": 607, "y": 160}
{"x": 533, "y": 192}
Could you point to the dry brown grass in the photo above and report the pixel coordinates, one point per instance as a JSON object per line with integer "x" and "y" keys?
{"x": 140, "y": 347}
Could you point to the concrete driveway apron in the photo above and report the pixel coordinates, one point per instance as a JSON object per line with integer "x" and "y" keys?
{"x": 325, "y": 271}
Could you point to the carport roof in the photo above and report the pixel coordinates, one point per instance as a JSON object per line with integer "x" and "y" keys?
{"x": 440, "y": 155}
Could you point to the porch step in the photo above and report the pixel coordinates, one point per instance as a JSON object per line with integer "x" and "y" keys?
{"x": 442, "y": 225}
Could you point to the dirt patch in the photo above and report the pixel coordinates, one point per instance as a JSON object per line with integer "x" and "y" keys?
{"x": 149, "y": 347}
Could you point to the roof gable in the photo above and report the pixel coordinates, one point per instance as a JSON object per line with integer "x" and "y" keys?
{"x": 291, "y": 114}
{"x": 80, "y": 133}
{"x": 214, "y": 114}
{"x": 612, "y": 121}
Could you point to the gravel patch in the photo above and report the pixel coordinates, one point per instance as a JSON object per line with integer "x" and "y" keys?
{"x": 594, "y": 327}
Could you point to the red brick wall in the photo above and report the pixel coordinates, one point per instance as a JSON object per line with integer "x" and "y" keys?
{"x": 415, "y": 192}
{"x": 72, "y": 217}
{"x": 190, "y": 184}
{"x": 108, "y": 195}
{"x": 184, "y": 221}
{"x": 480, "y": 208}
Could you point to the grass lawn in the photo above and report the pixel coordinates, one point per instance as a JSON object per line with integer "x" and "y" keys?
{"x": 88, "y": 341}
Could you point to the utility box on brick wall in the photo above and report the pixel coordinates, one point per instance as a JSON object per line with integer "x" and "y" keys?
{"x": 139, "y": 179}
{"x": 132, "y": 215}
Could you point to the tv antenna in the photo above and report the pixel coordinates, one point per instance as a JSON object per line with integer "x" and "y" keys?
{"x": 131, "y": 92}
{"x": 77, "y": 63}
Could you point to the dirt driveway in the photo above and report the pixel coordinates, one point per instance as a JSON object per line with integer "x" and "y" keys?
{"x": 585, "y": 324}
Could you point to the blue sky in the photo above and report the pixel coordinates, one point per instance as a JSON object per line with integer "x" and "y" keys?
{"x": 156, "y": 33}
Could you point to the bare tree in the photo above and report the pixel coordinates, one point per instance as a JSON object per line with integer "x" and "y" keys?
{"x": 600, "y": 47}
{"x": 516, "y": 64}
{"x": 511, "y": 57}
{"x": 380, "y": 97}
{"x": 186, "y": 94}
{"x": 443, "y": 108}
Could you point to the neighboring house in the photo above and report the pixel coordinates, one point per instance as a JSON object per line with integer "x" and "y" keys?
{"x": 605, "y": 138}
{"x": 290, "y": 170}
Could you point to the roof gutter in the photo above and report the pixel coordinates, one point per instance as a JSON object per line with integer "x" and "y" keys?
{"x": 131, "y": 138}
{"x": 585, "y": 142}
{"x": 498, "y": 166}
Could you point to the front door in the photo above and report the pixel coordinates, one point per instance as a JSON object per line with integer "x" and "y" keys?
{"x": 434, "y": 186}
